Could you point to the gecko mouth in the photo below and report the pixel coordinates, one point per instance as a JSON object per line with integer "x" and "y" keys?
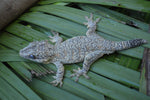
{"x": 21, "y": 53}
{"x": 26, "y": 55}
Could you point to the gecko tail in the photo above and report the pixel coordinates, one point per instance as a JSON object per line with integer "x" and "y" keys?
{"x": 128, "y": 44}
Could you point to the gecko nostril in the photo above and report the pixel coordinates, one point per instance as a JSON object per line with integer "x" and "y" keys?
{"x": 20, "y": 52}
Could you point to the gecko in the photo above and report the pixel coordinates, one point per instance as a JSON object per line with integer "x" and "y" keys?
{"x": 86, "y": 49}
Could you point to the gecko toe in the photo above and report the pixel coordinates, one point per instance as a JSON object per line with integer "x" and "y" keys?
{"x": 78, "y": 73}
{"x": 57, "y": 82}
{"x": 77, "y": 79}
{"x": 86, "y": 76}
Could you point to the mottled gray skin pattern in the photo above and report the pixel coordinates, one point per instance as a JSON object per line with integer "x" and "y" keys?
{"x": 77, "y": 49}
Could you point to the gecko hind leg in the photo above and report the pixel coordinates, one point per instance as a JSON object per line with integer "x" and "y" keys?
{"x": 91, "y": 25}
{"x": 90, "y": 22}
{"x": 88, "y": 60}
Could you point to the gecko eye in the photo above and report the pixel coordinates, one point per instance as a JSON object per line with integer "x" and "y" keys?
{"x": 32, "y": 56}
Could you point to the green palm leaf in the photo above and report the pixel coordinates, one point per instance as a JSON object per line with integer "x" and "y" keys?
{"x": 110, "y": 77}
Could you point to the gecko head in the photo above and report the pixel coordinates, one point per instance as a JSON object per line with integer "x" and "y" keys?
{"x": 39, "y": 51}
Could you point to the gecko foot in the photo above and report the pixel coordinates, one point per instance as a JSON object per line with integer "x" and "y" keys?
{"x": 55, "y": 38}
{"x": 78, "y": 73}
{"x": 57, "y": 81}
{"x": 90, "y": 22}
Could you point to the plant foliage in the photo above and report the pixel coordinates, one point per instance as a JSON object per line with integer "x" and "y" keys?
{"x": 113, "y": 76}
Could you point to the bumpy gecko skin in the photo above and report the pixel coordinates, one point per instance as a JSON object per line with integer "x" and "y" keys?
{"x": 86, "y": 49}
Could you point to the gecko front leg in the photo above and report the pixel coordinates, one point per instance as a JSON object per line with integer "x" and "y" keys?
{"x": 56, "y": 38}
{"x": 59, "y": 75}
